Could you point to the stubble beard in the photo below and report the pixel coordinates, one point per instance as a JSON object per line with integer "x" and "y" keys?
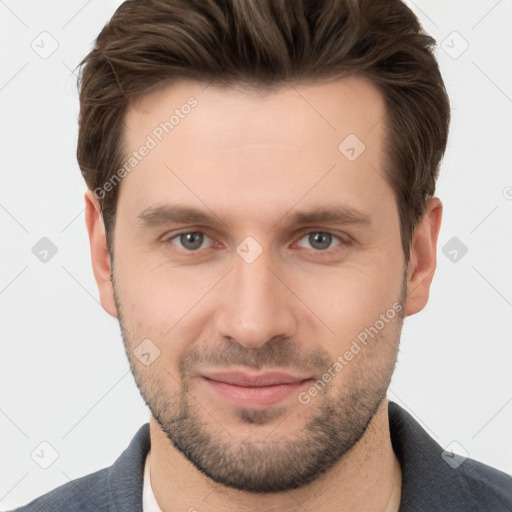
{"x": 339, "y": 416}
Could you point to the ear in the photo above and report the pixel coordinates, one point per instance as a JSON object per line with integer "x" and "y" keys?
{"x": 100, "y": 257}
{"x": 423, "y": 257}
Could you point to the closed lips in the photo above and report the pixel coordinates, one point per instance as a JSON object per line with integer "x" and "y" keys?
{"x": 255, "y": 380}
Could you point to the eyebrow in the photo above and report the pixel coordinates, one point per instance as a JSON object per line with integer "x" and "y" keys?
{"x": 158, "y": 215}
{"x": 336, "y": 214}
{"x": 155, "y": 216}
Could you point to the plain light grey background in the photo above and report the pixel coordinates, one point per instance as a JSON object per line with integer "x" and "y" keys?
{"x": 64, "y": 375}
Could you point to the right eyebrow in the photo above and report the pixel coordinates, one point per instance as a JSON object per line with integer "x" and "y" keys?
{"x": 155, "y": 216}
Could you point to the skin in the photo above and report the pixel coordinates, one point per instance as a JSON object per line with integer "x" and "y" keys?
{"x": 251, "y": 160}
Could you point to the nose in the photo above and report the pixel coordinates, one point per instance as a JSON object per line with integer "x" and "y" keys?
{"x": 256, "y": 305}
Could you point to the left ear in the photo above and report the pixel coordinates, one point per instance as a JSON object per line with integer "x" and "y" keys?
{"x": 423, "y": 257}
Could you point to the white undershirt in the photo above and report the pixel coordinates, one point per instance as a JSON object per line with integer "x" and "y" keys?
{"x": 149, "y": 503}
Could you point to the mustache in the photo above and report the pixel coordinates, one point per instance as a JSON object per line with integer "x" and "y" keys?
{"x": 277, "y": 352}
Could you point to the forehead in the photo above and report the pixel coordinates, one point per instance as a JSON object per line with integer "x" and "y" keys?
{"x": 234, "y": 146}
{"x": 291, "y": 111}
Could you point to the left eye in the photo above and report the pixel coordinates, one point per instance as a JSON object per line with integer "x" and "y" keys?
{"x": 319, "y": 240}
{"x": 191, "y": 241}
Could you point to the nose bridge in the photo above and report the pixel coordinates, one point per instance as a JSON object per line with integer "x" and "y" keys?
{"x": 256, "y": 307}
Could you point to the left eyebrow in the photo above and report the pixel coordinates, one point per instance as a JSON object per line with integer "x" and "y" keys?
{"x": 336, "y": 214}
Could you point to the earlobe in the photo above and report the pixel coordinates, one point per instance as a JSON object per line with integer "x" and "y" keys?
{"x": 423, "y": 257}
{"x": 100, "y": 256}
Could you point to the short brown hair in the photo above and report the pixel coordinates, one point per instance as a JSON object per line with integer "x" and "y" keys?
{"x": 269, "y": 43}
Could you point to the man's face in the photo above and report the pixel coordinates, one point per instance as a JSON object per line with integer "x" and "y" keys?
{"x": 247, "y": 242}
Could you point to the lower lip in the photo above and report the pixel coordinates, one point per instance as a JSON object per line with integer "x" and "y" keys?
{"x": 254, "y": 397}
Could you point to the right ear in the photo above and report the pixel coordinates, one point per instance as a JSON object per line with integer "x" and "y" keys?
{"x": 100, "y": 257}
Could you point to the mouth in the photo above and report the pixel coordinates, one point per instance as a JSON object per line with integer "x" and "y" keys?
{"x": 253, "y": 390}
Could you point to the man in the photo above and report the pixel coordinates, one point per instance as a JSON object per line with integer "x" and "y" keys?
{"x": 261, "y": 215}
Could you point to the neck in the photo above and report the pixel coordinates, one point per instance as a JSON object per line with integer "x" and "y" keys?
{"x": 366, "y": 478}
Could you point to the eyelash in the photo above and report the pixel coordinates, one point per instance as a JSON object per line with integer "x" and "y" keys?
{"x": 342, "y": 242}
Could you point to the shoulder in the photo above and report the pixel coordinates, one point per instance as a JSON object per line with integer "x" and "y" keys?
{"x": 117, "y": 488}
{"x": 86, "y": 493}
{"x": 434, "y": 479}
{"x": 490, "y": 489}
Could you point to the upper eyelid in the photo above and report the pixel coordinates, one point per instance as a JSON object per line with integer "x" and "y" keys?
{"x": 334, "y": 235}
{"x": 168, "y": 238}
{"x": 307, "y": 231}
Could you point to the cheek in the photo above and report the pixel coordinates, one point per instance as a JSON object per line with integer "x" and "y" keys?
{"x": 349, "y": 300}
{"x": 158, "y": 300}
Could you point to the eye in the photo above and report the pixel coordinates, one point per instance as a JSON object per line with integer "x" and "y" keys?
{"x": 319, "y": 240}
{"x": 191, "y": 240}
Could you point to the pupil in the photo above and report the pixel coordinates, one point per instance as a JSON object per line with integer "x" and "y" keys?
{"x": 320, "y": 240}
{"x": 191, "y": 240}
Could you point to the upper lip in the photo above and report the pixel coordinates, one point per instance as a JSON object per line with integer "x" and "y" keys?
{"x": 253, "y": 379}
